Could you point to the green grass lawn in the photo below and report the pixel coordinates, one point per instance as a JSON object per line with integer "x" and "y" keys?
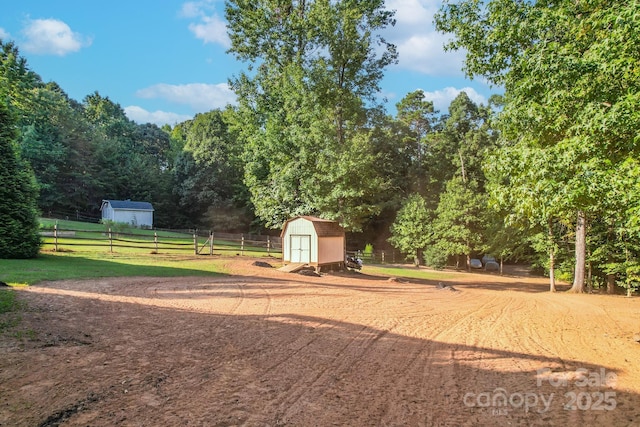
{"x": 87, "y": 265}
{"x": 410, "y": 272}
{"x": 74, "y": 236}
{"x": 100, "y": 229}
{"x": 86, "y": 262}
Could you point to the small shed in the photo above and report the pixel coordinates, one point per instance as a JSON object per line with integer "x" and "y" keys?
{"x": 312, "y": 241}
{"x": 137, "y": 214}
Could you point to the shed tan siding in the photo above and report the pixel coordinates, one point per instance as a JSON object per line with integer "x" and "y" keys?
{"x": 326, "y": 240}
{"x": 330, "y": 250}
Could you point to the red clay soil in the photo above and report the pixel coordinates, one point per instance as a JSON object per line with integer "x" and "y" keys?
{"x": 261, "y": 347}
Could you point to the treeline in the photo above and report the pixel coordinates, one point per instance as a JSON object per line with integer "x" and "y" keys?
{"x": 84, "y": 152}
{"x": 206, "y": 172}
{"x": 568, "y": 164}
{"x": 548, "y": 173}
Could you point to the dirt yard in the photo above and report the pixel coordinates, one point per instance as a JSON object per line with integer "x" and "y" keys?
{"x": 261, "y": 347}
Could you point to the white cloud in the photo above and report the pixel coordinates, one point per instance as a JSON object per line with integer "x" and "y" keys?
{"x": 207, "y": 25}
{"x": 443, "y": 97}
{"x": 211, "y": 29}
{"x": 424, "y": 53}
{"x": 194, "y": 9}
{"x": 51, "y": 36}
{"x": 420, "y": 46}
{"x": 199, "y": 96}
{"x": 160, "y": 118}
{"x": 413, "y": 12}
{"x": 3, "y": 34}
{"x": 191, "y": 9}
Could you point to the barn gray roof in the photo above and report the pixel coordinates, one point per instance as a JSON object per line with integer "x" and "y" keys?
{"x": 128, "y": 204}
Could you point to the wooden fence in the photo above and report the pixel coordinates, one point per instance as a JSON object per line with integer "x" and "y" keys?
{"x": 389, "y": 256}
{"x": 160, "y": 241}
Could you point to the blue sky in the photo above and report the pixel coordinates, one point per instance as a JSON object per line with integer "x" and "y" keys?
{"x": 164, "y": 61}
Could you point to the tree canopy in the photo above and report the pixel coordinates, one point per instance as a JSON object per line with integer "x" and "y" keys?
{"x": 303, "y": 107}
{"x": 571, "y": 74}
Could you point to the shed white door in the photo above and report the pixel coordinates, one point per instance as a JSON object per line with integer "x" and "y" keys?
{"x": 300, "y": 248}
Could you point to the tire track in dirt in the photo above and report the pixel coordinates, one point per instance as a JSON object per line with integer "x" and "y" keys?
{"x": 454, "y": 356}
{"x": 348, "y": 358}
{"x": 267, "y": 308}
{"x": 320, "y": 370}
{"x": 277, "y": 377}
{"x": 563, "y": 330}
{"x": 184, "y": 297}
{"x": 240, "y": 299}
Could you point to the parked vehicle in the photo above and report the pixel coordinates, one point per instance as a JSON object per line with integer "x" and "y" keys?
{"x": 492, "y": 266}
{"x": 353, "y": 263}
{"x": 487, "y": 258}
{"x": 475, "y": 263}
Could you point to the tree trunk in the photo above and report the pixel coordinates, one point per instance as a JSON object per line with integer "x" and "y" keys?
{"x": 611, "y": 284}
{"x": 552, "y": 259}
{"x": 552, "y": 270}
{"x": 464, "y": 172}
{"x": 581, "y": 254}
{"x": 611, "y": 277}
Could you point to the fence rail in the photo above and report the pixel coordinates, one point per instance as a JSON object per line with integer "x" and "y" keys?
{"x": 389, "y": 256}
{"x": 156, "y": 241}
{"x": 111, "y": 239}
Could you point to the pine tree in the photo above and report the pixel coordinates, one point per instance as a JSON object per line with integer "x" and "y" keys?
{"x": 19, "y": 236}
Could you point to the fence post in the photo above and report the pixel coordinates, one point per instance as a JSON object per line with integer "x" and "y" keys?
{"x": 155, "y": 240}
{"x": 110, "y": 241}
{"x": 382, "y": 257}
{"x": 242, "y": 245}
{"x": 268, "y": 246}
{"x": 211, "y": 242}
{"x": 55, "y": 236}
{"x": 195, "y": 241}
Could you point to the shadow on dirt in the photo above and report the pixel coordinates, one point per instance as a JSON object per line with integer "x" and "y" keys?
{"x": 150, "y": 365}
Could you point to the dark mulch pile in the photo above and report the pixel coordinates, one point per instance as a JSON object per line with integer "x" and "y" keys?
{"x": 262, "y": 264}
{"x": 306, "y": 272}
{"x": 446, "y": 287}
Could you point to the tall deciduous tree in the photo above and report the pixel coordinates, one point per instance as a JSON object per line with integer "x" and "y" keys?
{"x": 302, "y": 108}
{"x": 571, "y": 72}
{"x": 523, "y": 184}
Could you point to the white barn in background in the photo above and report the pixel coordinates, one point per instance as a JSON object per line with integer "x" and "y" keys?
{"x": 312, "y": 241}
{"x": 137, "y": 214}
